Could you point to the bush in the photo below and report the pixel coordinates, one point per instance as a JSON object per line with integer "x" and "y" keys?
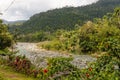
{"x": 60, "y": 69}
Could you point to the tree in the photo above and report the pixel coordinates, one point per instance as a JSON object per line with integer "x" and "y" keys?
{"x": 5, "y": 36}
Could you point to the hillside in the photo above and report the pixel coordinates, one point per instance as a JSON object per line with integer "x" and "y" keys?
{"x": 67, "y": 17}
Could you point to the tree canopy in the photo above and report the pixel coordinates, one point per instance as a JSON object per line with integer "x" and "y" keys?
{"x": 66, "y": 18}
{"x": 5, "y": 37}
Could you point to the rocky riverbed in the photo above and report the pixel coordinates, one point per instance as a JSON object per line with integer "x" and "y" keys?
{"x": 38, "y": 56}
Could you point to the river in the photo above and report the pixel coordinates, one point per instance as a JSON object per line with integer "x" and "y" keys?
{"x": 38, "y": 56}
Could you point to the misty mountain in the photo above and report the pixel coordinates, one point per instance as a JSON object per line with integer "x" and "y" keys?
{"x": 12, "y": 23}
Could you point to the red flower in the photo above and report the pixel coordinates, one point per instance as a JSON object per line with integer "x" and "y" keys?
{"x": 90, "y": 69}
{"x": 45, "y": 70}
{"x": 87, "y": 75}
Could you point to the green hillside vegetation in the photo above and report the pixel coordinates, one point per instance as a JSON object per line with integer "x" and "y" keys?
{"x": 67, "y": 17}
{"x": 100, "y": 35}
{"x": 42, "y": 26}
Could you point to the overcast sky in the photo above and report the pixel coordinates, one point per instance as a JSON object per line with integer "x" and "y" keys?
{"x": 23, "y": 9}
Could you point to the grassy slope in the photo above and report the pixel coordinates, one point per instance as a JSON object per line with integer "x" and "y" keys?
{"x": 9, "y": 74}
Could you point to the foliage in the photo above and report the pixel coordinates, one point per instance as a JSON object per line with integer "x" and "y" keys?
{"x": 23, "y": 65}
{"x": 60, "y": 68}
{"x": 5, "y": 37}
{"x": 105, "y": 68}
{"x": 66, "y": 18}
{"x": 35, "y": 37}
{"x": 100, "y": 35}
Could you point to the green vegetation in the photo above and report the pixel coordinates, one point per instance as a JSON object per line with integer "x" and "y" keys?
{"x": 65, "y": 18}
{"x": 61, "y": 69}
{"x": 101, "y": 35}
{"x": 37, "y": 36}
{"x": 16, "y": 68}
{"x": 6, "y": 39}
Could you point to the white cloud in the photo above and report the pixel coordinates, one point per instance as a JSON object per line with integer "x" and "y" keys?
{"x": 23, "y": 9}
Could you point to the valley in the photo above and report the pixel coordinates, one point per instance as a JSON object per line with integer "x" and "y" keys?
{"x": 65, "y": 43}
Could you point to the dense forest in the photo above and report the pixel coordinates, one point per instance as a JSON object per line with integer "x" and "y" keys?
{"x": 41, "y": 26}
{"x": 67, "y": 17}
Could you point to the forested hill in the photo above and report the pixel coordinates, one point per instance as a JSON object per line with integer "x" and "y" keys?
{"x": 67, "y": 17}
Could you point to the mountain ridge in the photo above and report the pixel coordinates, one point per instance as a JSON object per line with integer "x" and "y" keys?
{"x": 67, "y": 17}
